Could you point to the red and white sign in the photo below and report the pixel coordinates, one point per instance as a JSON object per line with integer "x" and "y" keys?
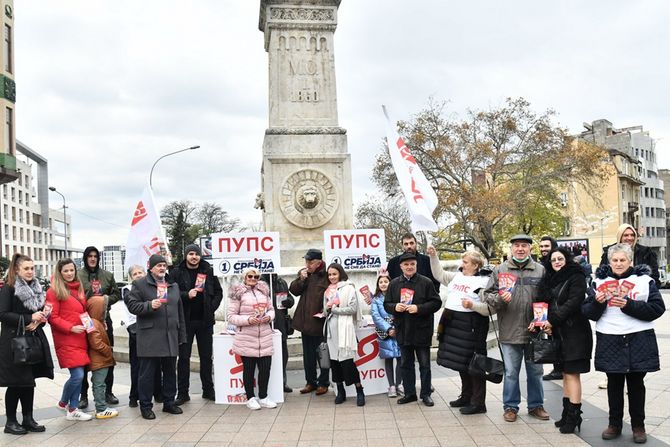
{"x": 370, "y": 366}
{"x": 356, "y": 249}
{"x": 232, "y": 253}
{"x": 228, "y": 382}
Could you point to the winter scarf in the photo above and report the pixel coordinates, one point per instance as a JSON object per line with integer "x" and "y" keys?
{"x": 31, "y": 295}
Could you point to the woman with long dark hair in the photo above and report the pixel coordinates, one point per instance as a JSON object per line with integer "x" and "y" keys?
{"x": 66, "y": 295}
{"x": 564, "y": 289}
{"x": 22, "y": 299}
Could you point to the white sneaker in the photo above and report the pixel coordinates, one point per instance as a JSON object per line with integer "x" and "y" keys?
{"x": 107, "y": 413}
{"x": 78, "y": 415}
{"x": 400, "y": 390}
{"x": 267, "y": 403}
{"x": 253, "y": 404}
{"x": 392, "y": 392}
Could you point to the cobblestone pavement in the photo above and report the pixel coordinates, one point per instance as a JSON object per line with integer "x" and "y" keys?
{"x": 316, "y": 421}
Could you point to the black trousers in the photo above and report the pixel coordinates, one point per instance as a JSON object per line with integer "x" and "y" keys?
{"x": 636, "y": 398}
{"x": 13, "y": 395}
{"x": 249, "y": 364}
{"x": 145, "y": 385}
{"x": 135, "y": 371}
{"x": 310, "y": 358}
{"x": 473, "y": 388}
{"x": 109, "y": 381}
{"x": 407, "y": 368}
{"x": 203, "y": 335}
{"x": 345, "y": 371}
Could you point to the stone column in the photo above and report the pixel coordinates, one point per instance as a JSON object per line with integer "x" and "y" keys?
{"x": 306, "y": 172}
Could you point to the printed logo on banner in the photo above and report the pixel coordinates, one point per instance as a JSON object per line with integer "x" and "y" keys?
{"x": 235, "y": 252}
{"x": 237, "y": 382}
{"x": 363, "y": 249}
{"x": 363, "y": 358}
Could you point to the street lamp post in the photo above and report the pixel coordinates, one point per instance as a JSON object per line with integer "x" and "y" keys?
{"x": 167, "y": 155}
{"x": 52, "y": 188}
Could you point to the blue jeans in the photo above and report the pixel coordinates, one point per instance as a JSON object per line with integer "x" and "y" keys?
{"x": 72, "y": 387}
{"x": 512, "y": 356}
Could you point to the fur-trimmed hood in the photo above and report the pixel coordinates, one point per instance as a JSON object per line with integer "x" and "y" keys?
{"x": 238, "y": 290}
{"x": 605, "y": 271}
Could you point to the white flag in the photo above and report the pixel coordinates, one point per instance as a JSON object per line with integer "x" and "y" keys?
{"x": 146, "y": 235}
{"x": 420, "y": 197}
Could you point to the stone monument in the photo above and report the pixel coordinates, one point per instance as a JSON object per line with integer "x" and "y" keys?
{"x": 306, "y": 171}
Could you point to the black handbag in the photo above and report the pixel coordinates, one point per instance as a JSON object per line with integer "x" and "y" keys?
{"x": 484, "y": 366}
{"x": 26, "y": 346}
{"x": 289, "y": 325}
{"x": 544, "y": 348}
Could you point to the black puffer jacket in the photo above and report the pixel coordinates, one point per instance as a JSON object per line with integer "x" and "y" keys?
{"x": 464, "y": 334}
{"x": 635, "y": 352}
{"x": 565, "y": 292}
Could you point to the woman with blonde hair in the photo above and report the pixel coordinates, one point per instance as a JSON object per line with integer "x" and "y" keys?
{"x": 463, "y": 326}
{"x": 22, "y": 303}
{"x": 250, "y": 311}
{"x": 66, "y": 295}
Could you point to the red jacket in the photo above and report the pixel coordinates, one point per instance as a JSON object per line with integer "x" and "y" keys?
{"x": 71, "y": 348}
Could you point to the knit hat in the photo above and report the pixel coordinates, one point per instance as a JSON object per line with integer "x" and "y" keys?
{"x": 156, "y": 259}
{"x": 192, "y": 247}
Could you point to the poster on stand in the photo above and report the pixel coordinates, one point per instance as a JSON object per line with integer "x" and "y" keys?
{"x": 355, "y": 249}
{"x": 232, "y": 253}
{"x": 228, "y": 382}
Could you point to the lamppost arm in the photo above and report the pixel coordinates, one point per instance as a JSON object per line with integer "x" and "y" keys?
{"x": 151, "y": 173}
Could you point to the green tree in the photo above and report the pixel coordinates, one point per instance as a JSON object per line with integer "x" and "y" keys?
{"x": 495, "y": 172}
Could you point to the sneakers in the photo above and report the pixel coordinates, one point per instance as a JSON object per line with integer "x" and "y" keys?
{"x": 392, "y": 392}
{"x": 77, "y": 415}
{"x": 62, "y": 406}
{"x": 253, "y": 404}
{"x": 106, "y": 413}
{"x": 267, "y": 403}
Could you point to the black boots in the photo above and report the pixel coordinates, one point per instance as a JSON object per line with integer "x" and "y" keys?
{"x": 360, "y": 396}
{"x": 13, "y": 428}
{"x": 31, "y": 425}
{"x": 341, "y": 394}
{"x": 573, "y": 418}
{"x": 561, "y": 421}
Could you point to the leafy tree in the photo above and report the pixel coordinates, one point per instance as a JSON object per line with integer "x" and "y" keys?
{"x": 389, "y": 214}
{"x": 4, "y": 265}
{"x": 496, "y": 172}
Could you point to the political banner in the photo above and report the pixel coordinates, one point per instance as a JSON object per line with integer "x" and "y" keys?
{"x": 370, "y": 366}
{"x": 228, "y": 381}
{"x": 146, "y": 236}
{"x": 419, "y": 194}
{"x": 355, "y": 249}
{"x": 232, "y": 253}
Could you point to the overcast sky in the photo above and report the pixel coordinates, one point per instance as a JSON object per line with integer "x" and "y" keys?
{"x": 105, "y": 88}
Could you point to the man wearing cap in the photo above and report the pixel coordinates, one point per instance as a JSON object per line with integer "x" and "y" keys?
{"x": 413, "y": 300}
{"x": 511, "y": 290}
{"x": 201, "y": 295}
{"x": 409, "y": 245}
{"x": 160, "y": 331}
{"x": 310, "y": 285}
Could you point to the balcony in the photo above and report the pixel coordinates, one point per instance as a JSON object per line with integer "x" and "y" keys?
{"x": 8, "y": 172}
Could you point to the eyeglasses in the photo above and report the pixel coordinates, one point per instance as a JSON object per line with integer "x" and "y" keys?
{"x": 253, "y": 276}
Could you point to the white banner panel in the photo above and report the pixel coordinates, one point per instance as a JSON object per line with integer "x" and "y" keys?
{"x": 234, "y": 252}
{"x": 355, "y": 249}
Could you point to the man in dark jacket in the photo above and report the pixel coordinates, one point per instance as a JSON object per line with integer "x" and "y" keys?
{"x": 413, "y": 300}
{"x": 281, "y": 301}
{"x": 160, "y": 331}
{"x": 422, "y": 261}
{"x": 97, "y": 281}
{"x": 310, "y": 285}
{"x": 201, "y": 295}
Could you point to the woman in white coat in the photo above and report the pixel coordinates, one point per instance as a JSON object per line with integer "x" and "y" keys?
{"x": 340, "y": 304}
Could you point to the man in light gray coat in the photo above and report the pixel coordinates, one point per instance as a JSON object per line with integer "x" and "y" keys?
{"x": 511, "y": 291}
{"x": 160, "y": 331}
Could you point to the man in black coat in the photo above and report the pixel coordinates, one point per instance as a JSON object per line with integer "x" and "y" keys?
{"x": 160, "y": 331}
{"x": 281, "y": 301}
{"x": 201, "y": 295}
{"x": 422, "y": 261}
{"x": 413, "y": 300}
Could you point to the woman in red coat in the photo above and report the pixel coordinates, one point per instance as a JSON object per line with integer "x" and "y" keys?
{"x": 67, "y": 298}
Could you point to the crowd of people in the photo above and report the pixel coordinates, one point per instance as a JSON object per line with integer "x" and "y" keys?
{"x": 168, "y": 310}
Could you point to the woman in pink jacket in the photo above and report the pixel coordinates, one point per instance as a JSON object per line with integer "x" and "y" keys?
{"x": 250, "y": 310}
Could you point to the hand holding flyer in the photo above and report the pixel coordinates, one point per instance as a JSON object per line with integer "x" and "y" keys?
{"x": 260, "y": 309}
{"x": 200, "y": 282}
{"x": 87, "y": 322}
{"x": 540, "y": 313}
{"x": 506, "y": 282}
{"x": 365, "y": 292}
{"x": 406, "y": 296}
{"x": 162, "y": 292}
{"x": 280, "y": 298}
{"x": 96, "y": 287}
{"x": 48, "y": 308}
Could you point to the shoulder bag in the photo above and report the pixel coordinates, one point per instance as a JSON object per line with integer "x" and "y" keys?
{"x": 26, "y": 346}
{"x": 546, "y": 348}
{"x": 484, "y": 366}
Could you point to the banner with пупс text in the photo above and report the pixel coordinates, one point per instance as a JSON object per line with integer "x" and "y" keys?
{"x": 355, "y": 249}
{"x": 232, "y": 253}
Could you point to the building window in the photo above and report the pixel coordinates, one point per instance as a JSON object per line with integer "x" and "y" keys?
{"x": 8, "y": 49}
{"x": 9, "y": 132}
